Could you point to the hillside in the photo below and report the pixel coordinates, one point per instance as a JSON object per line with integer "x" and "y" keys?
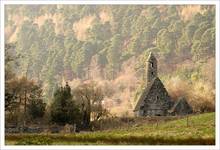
{"x": 200, "y": 131}
{"x": 109, "y": 44}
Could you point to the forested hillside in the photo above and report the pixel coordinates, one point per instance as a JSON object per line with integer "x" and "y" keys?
{"x": 110, "y": 44}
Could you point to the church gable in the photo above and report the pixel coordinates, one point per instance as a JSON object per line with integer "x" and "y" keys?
{"x": 155, "y": 95}
{"x": 181, "y": 107}
{"x": 158, "y": 95}
{"x": 155, "y": 100}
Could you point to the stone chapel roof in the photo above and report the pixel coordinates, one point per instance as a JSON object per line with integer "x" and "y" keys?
{"x": 146, "y": 92}
{"x": 181, "y": 106}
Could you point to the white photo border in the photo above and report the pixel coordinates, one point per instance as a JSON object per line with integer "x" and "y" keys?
{"x": 105, "y": 2}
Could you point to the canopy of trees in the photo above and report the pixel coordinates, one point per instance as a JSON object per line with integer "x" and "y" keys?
{"x": 50, "y": 38}
{"x": 56, "y": 43}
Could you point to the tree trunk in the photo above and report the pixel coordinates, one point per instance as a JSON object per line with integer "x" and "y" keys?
{"x": 25, "y": 108}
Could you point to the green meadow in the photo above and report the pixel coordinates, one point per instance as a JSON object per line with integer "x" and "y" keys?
{"x": 200, "y": 130}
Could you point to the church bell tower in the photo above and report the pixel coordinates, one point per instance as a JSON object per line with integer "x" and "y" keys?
{"x": 151, "y": 66}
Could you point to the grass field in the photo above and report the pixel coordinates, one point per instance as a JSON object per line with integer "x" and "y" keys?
{"x": 200, "y": 131}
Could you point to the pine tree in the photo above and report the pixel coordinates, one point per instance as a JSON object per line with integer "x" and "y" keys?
{"x": 63, "y": 109}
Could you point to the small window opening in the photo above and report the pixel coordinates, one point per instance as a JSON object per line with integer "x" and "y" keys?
{"x": 152, "y": 65}
{"x": 152, "y": 73}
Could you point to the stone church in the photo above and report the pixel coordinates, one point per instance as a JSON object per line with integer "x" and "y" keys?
{"x": 155, "y": 100}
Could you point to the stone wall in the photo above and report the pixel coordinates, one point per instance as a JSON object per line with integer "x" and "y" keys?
{"x": 157, "y": 101}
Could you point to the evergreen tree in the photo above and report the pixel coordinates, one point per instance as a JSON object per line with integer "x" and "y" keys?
{"x": 63, "y": 108}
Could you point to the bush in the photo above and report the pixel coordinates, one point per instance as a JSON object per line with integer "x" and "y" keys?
{"x": 200, "y": 95}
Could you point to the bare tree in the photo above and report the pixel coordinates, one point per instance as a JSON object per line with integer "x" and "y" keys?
{"x": 90, "y": 97}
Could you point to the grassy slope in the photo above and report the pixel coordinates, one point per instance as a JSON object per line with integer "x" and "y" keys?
{"x": 201, "y": 130}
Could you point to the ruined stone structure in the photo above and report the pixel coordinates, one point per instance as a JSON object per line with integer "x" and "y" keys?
{"x": 181, "y": 107}
{"x": 155, "y": 100}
